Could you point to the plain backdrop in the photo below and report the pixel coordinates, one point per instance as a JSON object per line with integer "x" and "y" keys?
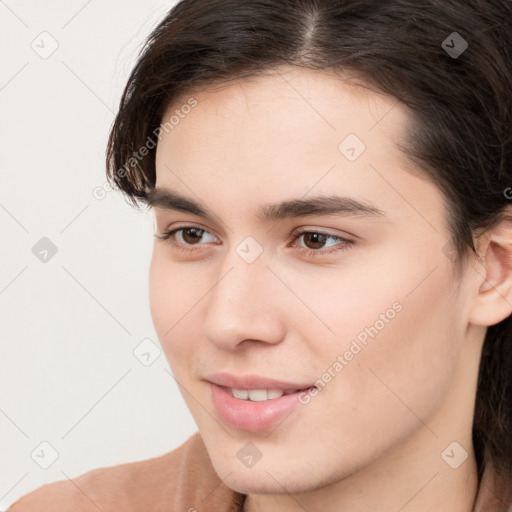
{"x": 75, "y": 392}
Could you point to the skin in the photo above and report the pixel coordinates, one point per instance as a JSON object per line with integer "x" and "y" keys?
{"x": 372, "y": 439}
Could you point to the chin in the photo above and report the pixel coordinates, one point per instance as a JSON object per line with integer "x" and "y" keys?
{"x": 248, "y": 482}
{"x": 273, "y": 474}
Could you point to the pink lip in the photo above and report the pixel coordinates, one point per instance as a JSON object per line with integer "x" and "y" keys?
{"x": 246, "y": 414}
{"x": 254, "y": 382}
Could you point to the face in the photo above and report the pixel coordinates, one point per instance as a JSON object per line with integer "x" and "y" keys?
{"x": 355, "y": 309}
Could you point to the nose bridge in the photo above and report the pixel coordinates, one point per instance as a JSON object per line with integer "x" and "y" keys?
{"x": 240, "y": 302}
{"x": 243, "y": 268}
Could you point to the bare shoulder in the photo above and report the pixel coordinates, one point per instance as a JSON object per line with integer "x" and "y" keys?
{"x": 142, "y": 485}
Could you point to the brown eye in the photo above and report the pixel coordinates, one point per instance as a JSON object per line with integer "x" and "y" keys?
{"x": 313, "y": 243}
{"x": 185, "y": 238}
{"x": 192, "y": 235}
{"x": 316, "y": 239}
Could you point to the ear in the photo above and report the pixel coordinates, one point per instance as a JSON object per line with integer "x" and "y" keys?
{"x": 493, "y": 273}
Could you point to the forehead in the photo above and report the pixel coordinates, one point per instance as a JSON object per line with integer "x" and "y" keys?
{"x": 287, "y": 133}
{"x": 286, "y": 113}
{"x": 289, "y": 93}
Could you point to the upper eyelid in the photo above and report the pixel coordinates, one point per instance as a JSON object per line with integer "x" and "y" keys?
{"x": 295, "y": 231}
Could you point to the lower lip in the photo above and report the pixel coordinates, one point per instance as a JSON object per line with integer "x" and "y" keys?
{"x": 249, "y": 415}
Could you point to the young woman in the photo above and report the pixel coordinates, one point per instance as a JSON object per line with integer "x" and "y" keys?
{"x": 331, "y": 277}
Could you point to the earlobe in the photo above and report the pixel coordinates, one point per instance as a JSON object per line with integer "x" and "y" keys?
{"x": 493, "y": 302}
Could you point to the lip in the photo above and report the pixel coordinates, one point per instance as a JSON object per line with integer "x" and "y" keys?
{"x": 255, "y": 382}
{"x": 246, "y": 414}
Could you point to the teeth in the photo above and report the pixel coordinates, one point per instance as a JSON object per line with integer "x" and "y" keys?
{"x": 240, "y": 393}
{"x": 258, "y": 395}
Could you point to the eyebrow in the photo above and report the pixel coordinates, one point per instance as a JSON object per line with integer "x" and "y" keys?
{"x": 166, "y": 199}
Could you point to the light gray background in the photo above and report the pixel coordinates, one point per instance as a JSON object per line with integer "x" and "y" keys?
{"x": 69, "y": 326}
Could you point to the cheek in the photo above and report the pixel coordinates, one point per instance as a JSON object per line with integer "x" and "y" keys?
{"x": 173, "y": 295}
{"x": 405, "y": 368}
{"x": 402, "y": 372}
{"x": 394, "y": 328}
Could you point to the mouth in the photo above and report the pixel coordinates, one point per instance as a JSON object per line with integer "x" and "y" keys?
{"x": 255, "y": 404}
{"x": 255, "y": 385}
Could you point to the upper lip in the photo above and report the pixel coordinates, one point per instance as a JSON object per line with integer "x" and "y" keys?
{"x": 254, "y": 382}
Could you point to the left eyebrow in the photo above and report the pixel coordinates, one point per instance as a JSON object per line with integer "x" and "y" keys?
{"x": 319, "y": 205}
{"x": 166, "y": 199}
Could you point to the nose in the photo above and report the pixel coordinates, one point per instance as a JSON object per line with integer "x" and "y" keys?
{"x": 243, "y": 305}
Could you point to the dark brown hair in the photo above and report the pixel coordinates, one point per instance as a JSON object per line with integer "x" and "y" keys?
{"x": 460, "y": 98}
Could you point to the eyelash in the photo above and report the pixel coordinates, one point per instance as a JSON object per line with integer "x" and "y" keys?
{"x": 167, "y": 236}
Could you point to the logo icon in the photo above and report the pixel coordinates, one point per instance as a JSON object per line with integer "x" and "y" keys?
{"x": 249, "y": 455}
{"x": 454, "y": 45}
{"x": 44, "y": 250}
{"x": 147, "y": 352}
{"x": 44, "y": 455}
{"x": 352, "y": 147}
{"x": 249, "y": 250}
{"x": 45, "y": 45}
{"x": 454, "y": 455}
